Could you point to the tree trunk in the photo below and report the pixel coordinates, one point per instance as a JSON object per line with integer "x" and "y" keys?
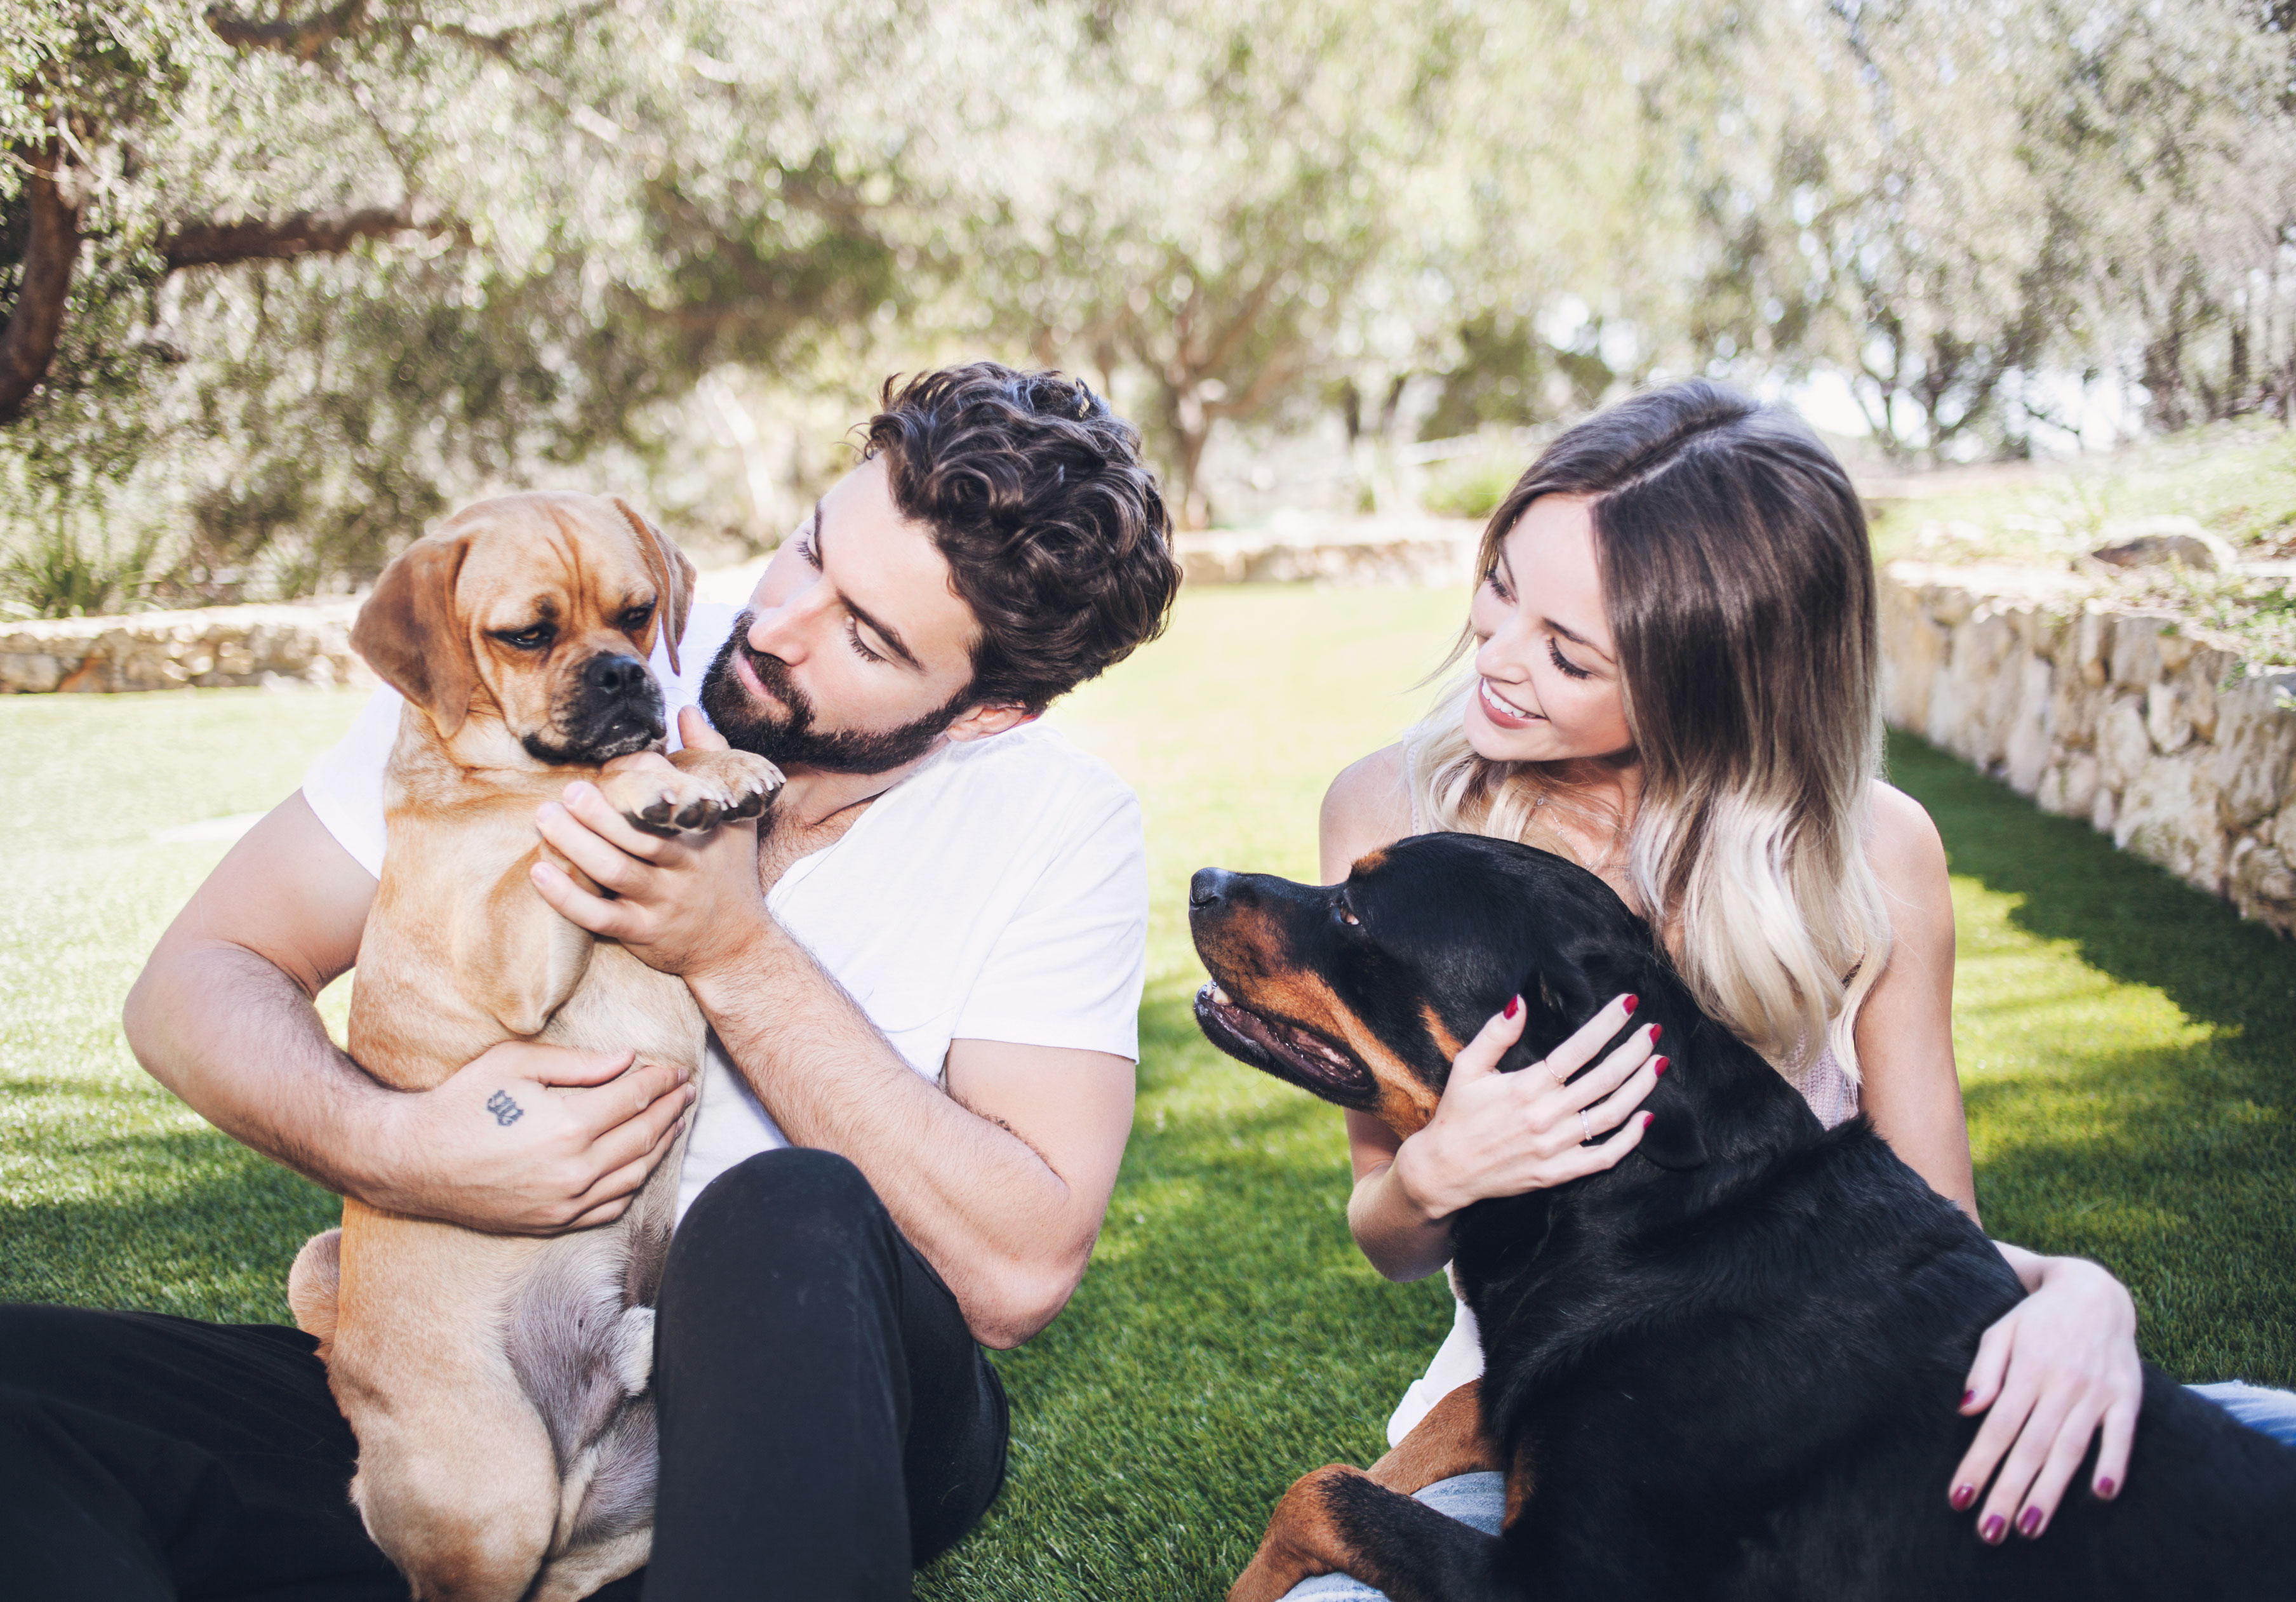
{"x": 37, "y": 320}
{"x": 285, "y": 238}
{"x": 1190, "y": 427}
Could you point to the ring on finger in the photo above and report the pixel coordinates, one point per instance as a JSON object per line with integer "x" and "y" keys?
{"x": 1586, "y": 1123}
{"x": 1556, "y": 1074}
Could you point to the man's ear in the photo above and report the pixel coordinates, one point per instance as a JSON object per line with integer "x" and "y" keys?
{"x": 407, "y": 633}
{"x": 980, "y": 722}
{"x": 672, "y": 575}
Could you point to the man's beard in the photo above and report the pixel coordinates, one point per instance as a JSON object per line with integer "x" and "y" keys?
{"x": 790, "y": 739}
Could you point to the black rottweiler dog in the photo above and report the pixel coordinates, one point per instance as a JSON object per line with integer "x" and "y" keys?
{"x": 1727, "y": 1368}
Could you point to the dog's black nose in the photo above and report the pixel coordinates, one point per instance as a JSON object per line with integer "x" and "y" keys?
{"x": 616, "y": 676}
{"x": 1207, "y": 886}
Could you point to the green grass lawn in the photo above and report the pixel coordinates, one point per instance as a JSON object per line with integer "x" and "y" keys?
{"x": 2125, "y": 1049}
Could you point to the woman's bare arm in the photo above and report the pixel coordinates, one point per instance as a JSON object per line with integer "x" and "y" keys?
{"x": 1909, "y": 1085}
{"x": 1366, "y": 807}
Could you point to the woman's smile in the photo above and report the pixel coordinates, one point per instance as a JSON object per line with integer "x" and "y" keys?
{"x": 1504, "y": 713}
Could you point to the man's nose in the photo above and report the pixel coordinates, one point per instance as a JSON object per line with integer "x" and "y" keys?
{"x": 615, "y": 676}
{"x": 780, "y": 630}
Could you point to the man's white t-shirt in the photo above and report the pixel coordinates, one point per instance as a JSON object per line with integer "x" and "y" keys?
{"x": 1000, "y": 892}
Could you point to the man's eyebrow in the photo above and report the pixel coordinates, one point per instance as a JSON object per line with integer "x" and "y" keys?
{"x": 891, "y": 635}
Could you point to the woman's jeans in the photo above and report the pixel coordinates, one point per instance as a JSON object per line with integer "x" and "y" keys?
{"x": 1481, "y": 1499}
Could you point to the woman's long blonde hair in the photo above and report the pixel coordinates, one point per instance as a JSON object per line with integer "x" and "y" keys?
{"x": 1738, "y": 584}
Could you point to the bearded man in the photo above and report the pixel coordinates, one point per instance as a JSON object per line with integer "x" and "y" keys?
{"x": 922, "y": 985}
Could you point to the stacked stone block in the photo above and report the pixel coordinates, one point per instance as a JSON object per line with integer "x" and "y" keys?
{"x": 2171, "y": 744}
{"x": 304, "y": 644}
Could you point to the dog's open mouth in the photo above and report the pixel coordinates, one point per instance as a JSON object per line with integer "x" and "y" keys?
{"x": 1287, "y": 1050}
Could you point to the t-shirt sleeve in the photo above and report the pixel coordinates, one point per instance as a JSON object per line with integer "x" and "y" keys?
{"x": 1068, "y": 969}
{"x": 344, "y": 786}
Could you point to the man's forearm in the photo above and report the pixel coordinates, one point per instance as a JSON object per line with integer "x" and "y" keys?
{"x": 243, "y": 1045}
{"x": 985, "y": 1209}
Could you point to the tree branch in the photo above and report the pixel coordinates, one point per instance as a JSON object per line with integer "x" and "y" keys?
{"x": 302, "y": 40}
{"x": 299, "y": 234}
{"x": 37, "y": 320}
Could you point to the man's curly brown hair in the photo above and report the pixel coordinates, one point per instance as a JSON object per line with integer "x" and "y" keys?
{"x": 1054, "y": 531}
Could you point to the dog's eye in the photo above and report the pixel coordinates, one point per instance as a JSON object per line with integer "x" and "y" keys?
{"x": 637, "y": 618}
{"x": 536, "y": 638}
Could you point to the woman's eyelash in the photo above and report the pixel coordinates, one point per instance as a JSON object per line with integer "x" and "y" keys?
{"x": 1570, "y": 670}
{"x": 805, "y": 550}
{"x": 853, "y": 637}
{"x": 1497, "y": 588}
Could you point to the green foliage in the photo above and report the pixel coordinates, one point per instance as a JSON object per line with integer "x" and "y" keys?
{"x": 2124, "y": 1044}
{"x": 56, "y": 573}
{"x": 1472, "y": 486}
{"x": 602, "y": 238}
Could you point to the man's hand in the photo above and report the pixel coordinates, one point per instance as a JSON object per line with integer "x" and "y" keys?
{"x": 682, "y": 905}
{"x": 529, "y": 1139}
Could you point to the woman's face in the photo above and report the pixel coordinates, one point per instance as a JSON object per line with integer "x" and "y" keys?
{"x": 1549, "y": 673}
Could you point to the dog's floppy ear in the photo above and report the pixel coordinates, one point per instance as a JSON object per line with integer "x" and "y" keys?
{"x": 407, "y": 633}
{"x": 672, "y": 575}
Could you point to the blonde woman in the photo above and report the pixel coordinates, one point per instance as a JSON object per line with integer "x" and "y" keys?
{"x": 1674, "y": 684}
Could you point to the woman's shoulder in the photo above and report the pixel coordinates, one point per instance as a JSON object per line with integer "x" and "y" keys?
{"x": 1367, "y": 806}
{"x": 1904, "y": 848}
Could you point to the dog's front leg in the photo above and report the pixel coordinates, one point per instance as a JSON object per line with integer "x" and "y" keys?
{"x": 1304, "y": 1539}
{"x": 514, "y": 955}
{"x": 1447, "y": 1442}
{"x": 1339, "y": 1521}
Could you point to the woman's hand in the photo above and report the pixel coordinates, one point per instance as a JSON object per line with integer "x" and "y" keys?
{"x": 1502, "y": 1134}
{"x": 2059, "y": 1367}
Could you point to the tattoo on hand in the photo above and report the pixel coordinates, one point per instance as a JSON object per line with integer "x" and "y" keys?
{"x": 506, "y": 1112}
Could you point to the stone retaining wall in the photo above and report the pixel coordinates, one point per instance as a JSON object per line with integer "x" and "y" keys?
{"x": 2165, "y": 741}
{"x": 217, "y": 645}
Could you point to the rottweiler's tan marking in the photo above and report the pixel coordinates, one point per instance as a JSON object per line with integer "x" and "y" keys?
{"x": 1303, "y": 1540}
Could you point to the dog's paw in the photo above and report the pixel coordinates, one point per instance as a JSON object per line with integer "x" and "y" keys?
{"x": 674, "y": 801}
{"x": 749, "y": 780}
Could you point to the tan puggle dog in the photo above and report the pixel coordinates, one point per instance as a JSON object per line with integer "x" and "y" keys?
{"x": 500, "y": 1385}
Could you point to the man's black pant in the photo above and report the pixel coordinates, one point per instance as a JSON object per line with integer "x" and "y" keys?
{"x": 826, "y": 1423}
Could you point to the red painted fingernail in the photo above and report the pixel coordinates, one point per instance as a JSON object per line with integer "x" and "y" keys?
{"x": 2105, "y": 1488}
{"x": 1963, "y": 1496}
{"x": 1657, "y": 1030}
{"x": 1631, "y": 1002}
{"x": 1646, "y": 1119}
{"x": 2028, "y": 1522}
{"x": 1513, "y": 1006}
{"x": 1967, "y": 1396}
{"x": 1658, "y": 1068}
{"x": 1992, "y": 1530}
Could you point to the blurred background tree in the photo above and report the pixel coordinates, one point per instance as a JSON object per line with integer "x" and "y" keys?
{"x": 283, "y": 279}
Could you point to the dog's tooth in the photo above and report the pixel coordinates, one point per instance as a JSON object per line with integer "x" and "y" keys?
{"x": 1219, "y": 996}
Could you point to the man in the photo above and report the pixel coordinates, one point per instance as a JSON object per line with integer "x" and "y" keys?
{"x": 922, "y": 985}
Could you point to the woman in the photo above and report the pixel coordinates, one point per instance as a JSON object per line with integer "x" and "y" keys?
{"x": 1675, "y": 684}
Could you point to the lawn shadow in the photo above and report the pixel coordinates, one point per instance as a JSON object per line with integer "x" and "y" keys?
{"x": 2122, "y": 915}
{"x": 184, "y": 1221}
{"x": 2171, "y": 1165}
